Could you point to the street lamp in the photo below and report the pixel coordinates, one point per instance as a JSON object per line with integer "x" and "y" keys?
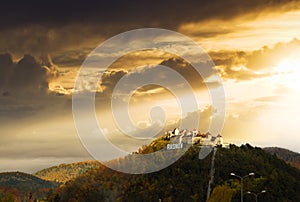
{"x": 256, "y": 195}
{"x": 242, "y": 179}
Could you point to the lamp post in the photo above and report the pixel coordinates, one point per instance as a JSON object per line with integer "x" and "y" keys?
{"x": 256, "y": 195}
{"x": 242, "y": 179}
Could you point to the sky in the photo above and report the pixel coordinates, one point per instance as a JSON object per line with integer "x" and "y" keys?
{"x": 254, "y": 45}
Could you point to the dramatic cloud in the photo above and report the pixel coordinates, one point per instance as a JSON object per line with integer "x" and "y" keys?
{"x": 35, "y": 96}
{"x": 134, "y": 12}
{"x": 26, "y": 75}
{"x": 154, "y": 73}
{"x": 269, "y": 57}
{"x": 29, "y": 27}
{"x": 110, "y": 79}
{"x": 246, "y": 65}
{"x": 24, "y": 87}
{"x": 6, "y": 69}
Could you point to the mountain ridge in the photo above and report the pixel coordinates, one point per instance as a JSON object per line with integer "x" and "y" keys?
{"x": 18, "y": 186}
{"x": 65, "y": 172}
{"x": 106, "y": 183}
{"x": 187, "y": 179}
{"x": 291, "y": 157}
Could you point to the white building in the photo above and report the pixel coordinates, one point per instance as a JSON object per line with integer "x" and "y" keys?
{"x": 176, "y": 131}
{"x": 195, "y": 132}
{"x": 195, "y": 137}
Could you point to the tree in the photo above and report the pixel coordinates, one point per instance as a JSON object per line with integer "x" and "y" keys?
{"x": 221, "y": 193}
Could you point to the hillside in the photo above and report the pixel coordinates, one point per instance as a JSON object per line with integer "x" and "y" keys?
{"x": 64, "y": 172}
{"x": 187, "y": 179}
{"x": 288, "y": 156}
{"x": 18, "y": 185}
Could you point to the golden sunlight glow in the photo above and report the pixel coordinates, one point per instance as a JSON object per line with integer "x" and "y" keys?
{"x": 245, "y": 33}
{"x": 288, "y": 73}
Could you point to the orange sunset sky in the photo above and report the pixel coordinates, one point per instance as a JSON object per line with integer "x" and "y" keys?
{"x": 255, "y": 46}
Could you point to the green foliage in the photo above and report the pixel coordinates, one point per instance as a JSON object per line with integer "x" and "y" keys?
{"x": 221, "y": 193}
{"x": 288, "y": 156}
{"x": 156, "y": 145}
{"x": 281, "y": 181}
{"x": 187, "y": 179}
{"x": 65, "y": 172}
{"x": 7, "y": 197}
{"x": 19, "y": 184}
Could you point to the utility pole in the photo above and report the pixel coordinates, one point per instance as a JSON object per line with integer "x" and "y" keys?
{"x": 242, "y": 179}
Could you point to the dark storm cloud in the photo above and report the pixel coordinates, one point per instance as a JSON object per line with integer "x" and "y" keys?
{"x": 189, "y": 73}
{"x": 43, "y": 39}
{"x": 141, "y": 13}
{"x": 49, "y": 26}
{"x": 24, "y": 87}
{"x": 110, "y": 78}
{"x": 71, "y": 58}
{"x": 25, "y": 75}
{"x": 6, "y": 69}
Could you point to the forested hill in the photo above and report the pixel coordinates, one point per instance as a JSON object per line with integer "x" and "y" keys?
{"x": 17, "y": 186}
{"x": 187, "y": 180}
{"x": 290, "y": 157}
{"x": 64, "y": 172}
